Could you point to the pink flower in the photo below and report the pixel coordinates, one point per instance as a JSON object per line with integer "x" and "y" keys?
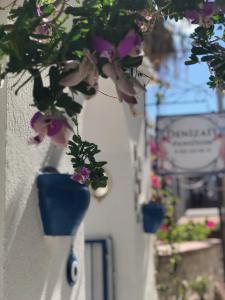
{"x": 38, "y": 10}
{"x": 86, "y": 72}
{"x": 206, "y": 9}
{"x": 203, "y": 15}
{"x": 130, "y": 45}
{"x": 210, "y": 224}
{"x": 153, "y": 147}
{"x": 55, "y": 127}
{"x": 146, "y": 14}
{"x": 162, "y": 150}
{"x": 103, "y": 47}
{"x": 81, "y": 175}
{"x": 41, "y": 29}
{"x": 155, "y": 182}
{"x": 127, "y": 87}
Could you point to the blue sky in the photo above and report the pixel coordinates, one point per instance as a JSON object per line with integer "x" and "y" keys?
{"x": 188, "y": 84}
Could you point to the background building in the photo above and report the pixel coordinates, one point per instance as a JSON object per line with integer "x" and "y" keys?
{"x": 33, "y": 264}
{"x": 122, "y": 139}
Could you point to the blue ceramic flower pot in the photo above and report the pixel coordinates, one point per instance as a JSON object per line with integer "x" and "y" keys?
{"x": 153, "y": 215}
{"x": 63, "y": 203}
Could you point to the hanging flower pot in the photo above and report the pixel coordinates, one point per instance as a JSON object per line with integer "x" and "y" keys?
{"x": 63, "y": 203}
{"x": 153, "y": 215}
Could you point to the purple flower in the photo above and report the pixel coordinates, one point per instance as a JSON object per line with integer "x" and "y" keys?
{"x": 100, "y": 45}
{"x": 127, "y": 87}
{"x": 130, "y": 45}
{"x": 191, "y": 14}
{"x": 55, "y": 127}
{"x": 203, "y": 14}
{"x": 44, "y": 28}
{"x": 86, "y": 71}
{"x": 81, "y": 175}
{"x": 38, "y": 10}
{"x": 207, "y": 9}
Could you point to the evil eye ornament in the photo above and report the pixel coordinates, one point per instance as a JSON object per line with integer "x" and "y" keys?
{"x": 72, "y": 269}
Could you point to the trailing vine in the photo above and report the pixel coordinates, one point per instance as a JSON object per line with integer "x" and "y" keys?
{"x": 76, "y": 44}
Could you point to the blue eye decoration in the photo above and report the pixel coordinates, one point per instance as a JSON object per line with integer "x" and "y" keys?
{"x": 72, "y": 271}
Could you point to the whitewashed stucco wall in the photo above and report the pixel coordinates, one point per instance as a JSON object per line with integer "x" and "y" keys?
{"x": 34, "y": 265}
{"x": 116, "y": 131}
{"x": 2, "y": 182}
{"x": 3, "y": 111}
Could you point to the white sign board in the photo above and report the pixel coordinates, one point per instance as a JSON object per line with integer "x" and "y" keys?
{"x": 191, "y": 144}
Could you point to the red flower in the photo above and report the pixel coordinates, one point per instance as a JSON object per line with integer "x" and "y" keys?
{"x": 164, "y": 228}
{"x": 155, "y": 182}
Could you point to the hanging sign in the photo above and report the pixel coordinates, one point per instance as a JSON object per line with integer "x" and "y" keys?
{"x": 191, "y": 144}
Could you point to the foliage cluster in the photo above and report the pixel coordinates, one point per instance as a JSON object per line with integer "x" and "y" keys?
{"x": 180, "y": 288}
{"x": 76, "y": 43}
{"x": 186, "y": 232}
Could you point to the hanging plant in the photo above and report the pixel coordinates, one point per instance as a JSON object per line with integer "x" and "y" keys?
{"x": 153, "y": 211}
{"x": 104, "y": 39}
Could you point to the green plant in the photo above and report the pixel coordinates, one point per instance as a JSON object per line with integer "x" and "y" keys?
{"x": 185, "y": 232}
{"x": 71, "y": 45}
{"x": 83, "y": 154}
{"x": 177, "y": 287}
{"x": 200, "y": 286}
{"x": 181, "y": 289}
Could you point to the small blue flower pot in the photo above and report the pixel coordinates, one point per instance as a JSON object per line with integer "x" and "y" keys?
{"x": 63, "y": 203}
{"x": 153, "y": 216}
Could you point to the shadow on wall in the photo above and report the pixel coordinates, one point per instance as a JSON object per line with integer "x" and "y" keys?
{"x": 20, "y": 196}
{"x": 35, "y": 264}
{"x": 148, "y": 269}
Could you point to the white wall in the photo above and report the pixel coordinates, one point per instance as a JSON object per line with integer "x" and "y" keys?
{"x": 3, "y": 108}
{"x": 112, "y": 127}
{"x": 3, "y": 111}
{"x": 34, "y": 265}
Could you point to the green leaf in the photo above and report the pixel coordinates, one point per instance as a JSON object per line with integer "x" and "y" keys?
{"x": 54, "y": 77}
{"x": 71, "y": 107}
{"x": 48, "y": 10}
{"x": 199, "y": 50}
{"x": 207, "y": 58}
{"x": 77, "y": 139}
{"x": 190, "y": 62}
